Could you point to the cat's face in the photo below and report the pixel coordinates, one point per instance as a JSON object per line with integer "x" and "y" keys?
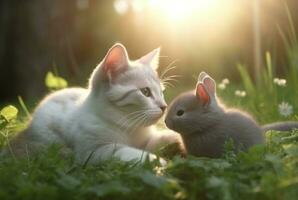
{"x": 132, "y": 88}
{"x": 138, "y": 90}
{"x": 194, "y": 111}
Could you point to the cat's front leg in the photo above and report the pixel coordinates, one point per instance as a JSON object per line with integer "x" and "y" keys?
{"x": 123, "y": 152}
{"x": 163, "y": 138}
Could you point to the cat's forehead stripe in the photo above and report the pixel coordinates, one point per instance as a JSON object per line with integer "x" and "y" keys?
{"x": 140, "y": 75}
{"x": 124, "y": 96}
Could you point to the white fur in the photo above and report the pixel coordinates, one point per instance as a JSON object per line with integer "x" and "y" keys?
{"x": 95, "y": 122}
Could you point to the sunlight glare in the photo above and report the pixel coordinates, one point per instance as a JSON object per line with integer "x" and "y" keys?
{"x": 137, "y": 6}
{"x": 180, "y": 10}
{"x": 176, "y": 9}
{"x": 182, "y": 16}
{"x": 121, "y": 6}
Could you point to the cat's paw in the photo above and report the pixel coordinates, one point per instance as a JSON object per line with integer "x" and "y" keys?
{"x": 163, "y": 139}
{"x": 170, "y": 138}
{"x": 171, "y": 150}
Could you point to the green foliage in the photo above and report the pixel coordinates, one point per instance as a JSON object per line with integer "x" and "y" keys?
{"x": 55, "y": 82}
{"x": 264, "y": 98}
{"x": 247, "y": 81}
{"x": 9, "y": 113}
{"x": 264, "y": 172}
{"x": 24, "y": 107}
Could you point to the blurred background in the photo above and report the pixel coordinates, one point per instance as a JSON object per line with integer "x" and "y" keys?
{"x": 72, "y": 36}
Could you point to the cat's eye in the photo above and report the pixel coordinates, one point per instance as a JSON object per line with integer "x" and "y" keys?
{"x": 180, "y": 112}
{"x": 146, "y": 92}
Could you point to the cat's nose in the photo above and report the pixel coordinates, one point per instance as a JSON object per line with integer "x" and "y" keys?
{"x": 163, "y": 108}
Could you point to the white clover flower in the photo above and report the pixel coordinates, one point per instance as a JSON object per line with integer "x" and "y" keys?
{"x": 276, "y": 80}
{"x": 222, "y": 86}
{"x": 225, "y": 81}
{"x": 240, "y": 93}
{"x": 243, "y": 93}
{"x": 280, "y": 82}
{"x": 285, "y": 109}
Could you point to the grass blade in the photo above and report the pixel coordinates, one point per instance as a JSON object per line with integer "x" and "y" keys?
{"x": 24, "y": 107}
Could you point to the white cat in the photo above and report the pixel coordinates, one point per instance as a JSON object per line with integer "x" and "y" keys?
{"x": 113, "y": 117}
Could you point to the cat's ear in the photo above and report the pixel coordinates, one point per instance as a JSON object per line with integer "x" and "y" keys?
{"x": 202, "y": 94}
{"x": 115, "y": 62}
{"x": 152, "y": 58}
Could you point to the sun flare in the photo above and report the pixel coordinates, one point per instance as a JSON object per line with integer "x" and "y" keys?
{"x": 179, "y": 10}
{"x": 183, "y": 18}
{"x": 175, "y": 10}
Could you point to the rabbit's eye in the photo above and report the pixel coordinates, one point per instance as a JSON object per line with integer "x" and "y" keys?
{"x": 180, "y": 112}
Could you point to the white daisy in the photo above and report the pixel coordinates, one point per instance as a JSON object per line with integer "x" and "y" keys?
{"x": 243, "y": 93}
{"x": 222, "y": 86}
{"x": 225, "y": 81}
{"x": 276, "y": 80}
{"x": 240, "y": 93}
{"x": 280, "y": 82}
{"x": 285, "y": 109}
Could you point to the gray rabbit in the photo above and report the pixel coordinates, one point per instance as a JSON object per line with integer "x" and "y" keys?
{"x": 205, "y": 124}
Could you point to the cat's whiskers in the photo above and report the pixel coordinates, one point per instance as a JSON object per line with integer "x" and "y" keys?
{"x": 140, "y": 121}
{"x": 153, "y": 113}
{"x": 130, "y": 115}
{"x": 134, "y": 124}
{"x": 134, "y": 120}
{"x": 166, "y": 71}
{"x": 127, "y": 123}
{"x": 167, "y": 80}
{"x": 129, "y": 119}
{"x": 167, "y": 84}
{"x": 138, "y": 124}
{"x": 168, "y": 68}
{"x": 171, "y": 78}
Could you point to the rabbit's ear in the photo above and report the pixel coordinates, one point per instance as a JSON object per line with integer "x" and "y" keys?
{"x": 210, "y": 85}
{"x": 202, "y": 76}
{"x": 202, "y": 94}
{"x": 206, "y": 89}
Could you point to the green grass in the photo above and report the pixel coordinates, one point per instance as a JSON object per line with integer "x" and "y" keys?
{"x": 265, "y": 172}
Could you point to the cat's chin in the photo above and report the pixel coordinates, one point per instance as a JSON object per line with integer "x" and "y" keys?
{"x": 154, "y": 119}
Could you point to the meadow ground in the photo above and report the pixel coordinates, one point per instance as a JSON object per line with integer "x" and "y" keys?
{"x": 267, "y": 171}
{"x": 264, "y": 172}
